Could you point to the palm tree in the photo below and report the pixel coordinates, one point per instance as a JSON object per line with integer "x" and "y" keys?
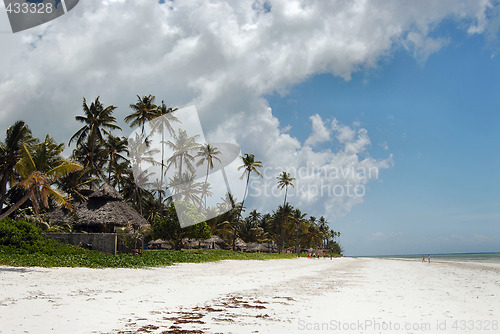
{"x": 323, "y": 227}
{"x": 255, "y": 216}
{"x": 250, "y": 165}
{"x": 16, "y": 135}
{"x": 227, "y": 212}
{"x": 313, "y": 237}
{"x": 208, "y": 154}
{"x": 144, "y": 111}
{"x": 163, "y": 120}
{"x": 140, "y": 183}
{"x": 284, "y": 180}
{"x": 299, "y": 219}
{"x": 183, "y": 147}
{"x": 114, "y": 148}
{"x": 186, "y": 189}
{"x": 121, "y": 175}
{"x": 139, "y": 152}
{"x": 40, "y": 167}
{"x": 94, "y": 162}
{"x": 205, "y": 192}
{"x": 78, "y": 185}
{"x": 98, "y": 120}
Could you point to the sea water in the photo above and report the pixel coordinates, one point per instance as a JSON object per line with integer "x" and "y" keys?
{"x": 458, "y": 257}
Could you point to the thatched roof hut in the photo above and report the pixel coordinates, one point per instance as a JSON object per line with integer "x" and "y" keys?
{"x": 103, "y": 212}
{"x": 215, "y": 242}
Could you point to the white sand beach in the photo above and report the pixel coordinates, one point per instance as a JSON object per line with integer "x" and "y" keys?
{"x": 353, "y": 295}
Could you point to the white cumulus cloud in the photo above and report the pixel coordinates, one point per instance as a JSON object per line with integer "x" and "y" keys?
{"x": 223, "y": 57}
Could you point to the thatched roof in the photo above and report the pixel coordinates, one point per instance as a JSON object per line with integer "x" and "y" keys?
{"x": 240, "y": 243}
{"x": 258, "y": 247}
{"x": 104, "y": 207}
{"x": 216, "y": 239}
{"x": 107, "y": 192}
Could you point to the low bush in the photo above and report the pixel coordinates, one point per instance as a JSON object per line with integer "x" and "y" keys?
{"x": 21, "y": 237}
{"x": 23, "y": 244}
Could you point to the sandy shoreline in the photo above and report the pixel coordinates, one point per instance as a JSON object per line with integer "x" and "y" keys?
{"x": 357, "y": 295}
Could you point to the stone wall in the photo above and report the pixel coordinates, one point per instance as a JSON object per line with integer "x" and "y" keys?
{"x": 103, "y": 242}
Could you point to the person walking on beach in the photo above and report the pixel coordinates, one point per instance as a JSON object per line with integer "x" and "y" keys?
{"x": 429, "y": 259}
{"x": 423, "y": 258}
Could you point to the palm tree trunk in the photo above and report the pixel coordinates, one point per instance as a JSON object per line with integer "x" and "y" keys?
{"x": 239, "y": 215}
{"x": 109, "y": 168}
{"x": 283, "y": 221}
{"x": 162, "y": 162}
{"x": 92, "y": 149}
{"x": 206, "y": 180}
{"x": 180, "y": 166}
{"x": 17, "y": 205}
{"x": 245, "y": 195}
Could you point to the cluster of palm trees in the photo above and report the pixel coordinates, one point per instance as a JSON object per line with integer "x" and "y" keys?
{"x": 34, "y": 174}
{"x": 29, "y": 170}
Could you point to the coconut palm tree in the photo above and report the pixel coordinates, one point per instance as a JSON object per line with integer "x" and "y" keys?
{"x": 323, "y": 227}
{"x": 40, "y": 166}
{"x": 139, "y": 152}
{"x": 313, "y": 237}
{"x": 163, "y": 120}
{"x": 120, "y": 176}
{"x": 140, "y": 182}
{"x": 250, "y": 166}
{"x": 186, "y": 189}
{"x": 137, "y": 177}
{"x": 114, "y": 147}
{"x": 298, "y": 218}
{"x": 284, "y": 180}
{"x": 208, "y": 154}
{"x": 283, "y": 224}
{"x": 97, "y": 120}
{"x": 78, "y": 185}
{"x": 94, "y": 161}
{"x": 255, "y": 216}
{"x": 16, "y": 135}
{"x": 223, "y": 224}
{"x": 183, "y": 147}
{"x": 144, "y": 111}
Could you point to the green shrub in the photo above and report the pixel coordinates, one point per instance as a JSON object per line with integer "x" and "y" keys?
{"x": 21, "y": 237}
{"x": 23, "y": 244}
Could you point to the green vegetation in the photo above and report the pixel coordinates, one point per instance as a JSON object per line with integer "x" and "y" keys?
{"x": 35, "y": 178}
{"x": 23, "y": 244}
{"x": 167, "y": 227}
{"x": 79, "y": 257}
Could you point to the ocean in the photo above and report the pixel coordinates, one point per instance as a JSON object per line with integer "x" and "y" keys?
{"x": 459, "y": 257}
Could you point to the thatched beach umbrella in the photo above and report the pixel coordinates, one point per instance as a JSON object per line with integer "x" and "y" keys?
{"x": 103, "y": 212}
{"x": 215, "y": 242}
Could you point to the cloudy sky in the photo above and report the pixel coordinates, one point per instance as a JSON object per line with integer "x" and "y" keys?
{"x": 386, "y": 112}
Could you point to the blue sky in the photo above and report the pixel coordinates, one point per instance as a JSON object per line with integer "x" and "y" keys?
{"x": 407, "y": 87}
{"x": 441, "y": 120}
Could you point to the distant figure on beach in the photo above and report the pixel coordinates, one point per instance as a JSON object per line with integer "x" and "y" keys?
{"x": 429, "y": 259}
{"x": 423, "y": 258}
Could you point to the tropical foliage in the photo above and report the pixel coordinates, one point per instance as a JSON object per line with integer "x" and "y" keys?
{"x": 36, "y": 178}
{"x": 23, "y": 244}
